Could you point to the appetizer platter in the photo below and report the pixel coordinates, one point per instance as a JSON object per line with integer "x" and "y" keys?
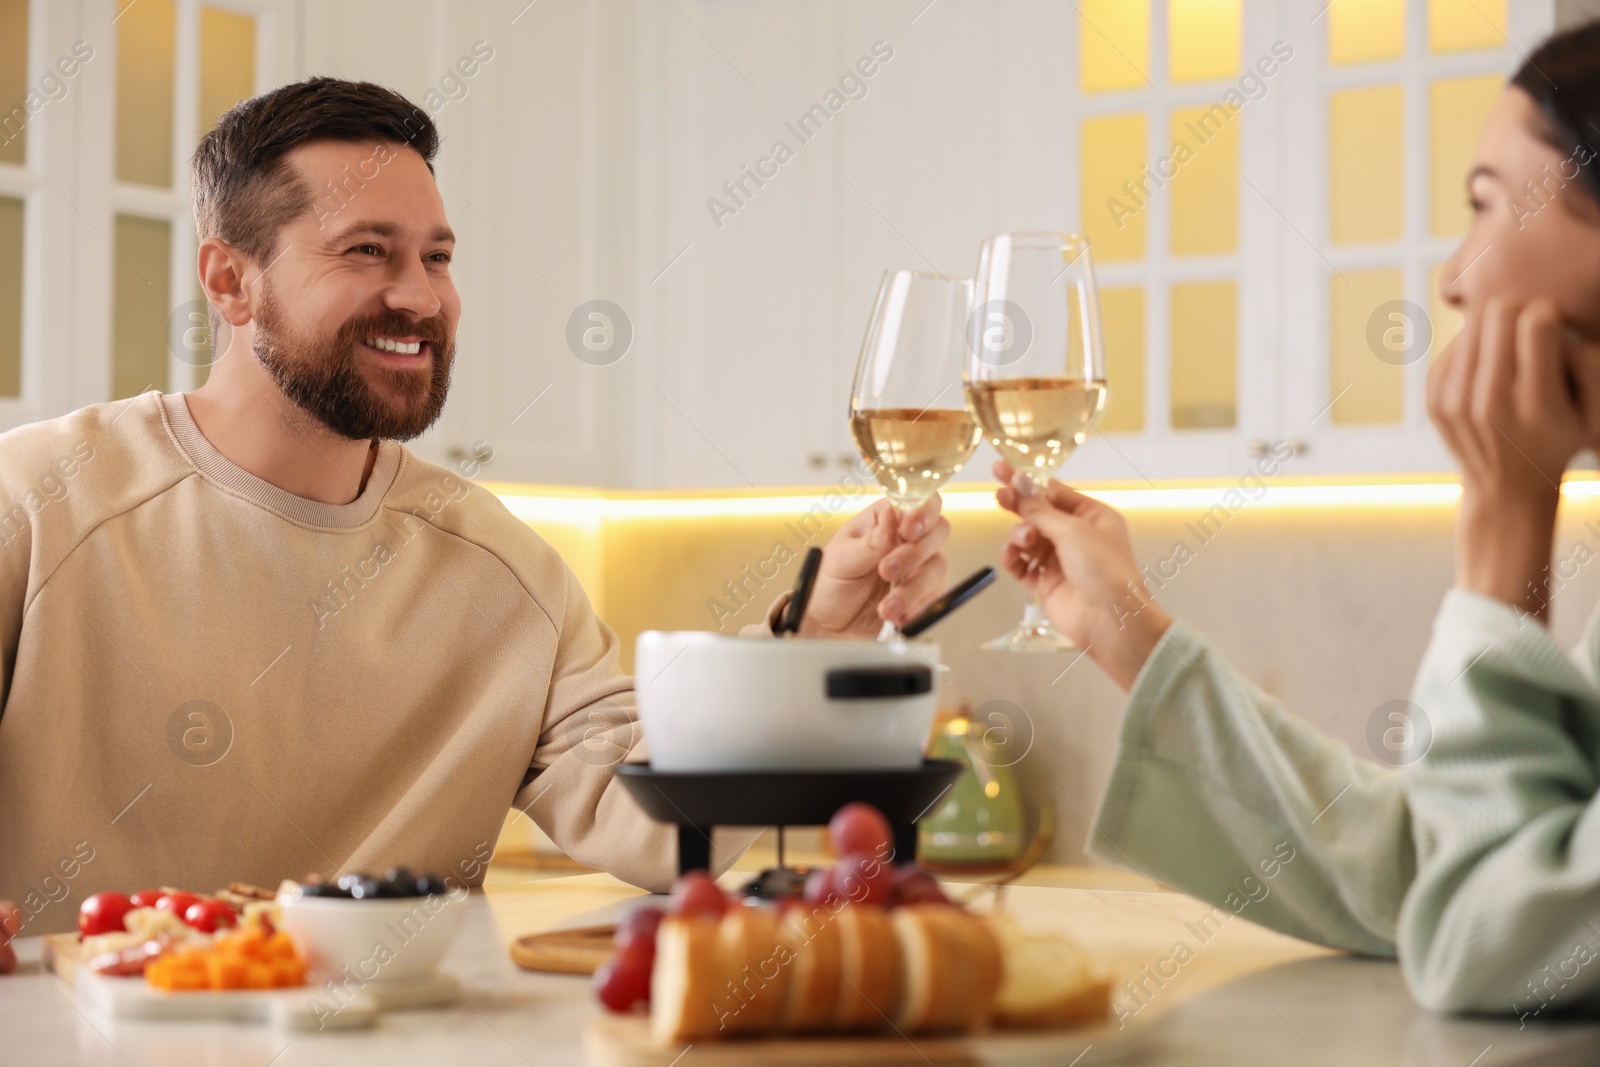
{"x": 304, "y": 956}
{"x": 871, "y": 963}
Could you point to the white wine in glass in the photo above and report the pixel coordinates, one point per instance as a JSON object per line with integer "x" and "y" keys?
{"x": 1035, "y": 376}
{"x": 907, "y": 412}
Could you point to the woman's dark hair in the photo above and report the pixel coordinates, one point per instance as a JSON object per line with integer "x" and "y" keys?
{"x": 1563, "y": 78}
{"x": 243, "y": 189}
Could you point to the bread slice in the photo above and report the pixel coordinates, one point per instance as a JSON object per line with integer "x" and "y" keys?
{"x": 754, "y": 971}
{"x": 951, "y": 966}
{"x": 869, "y": 968}
{"x": 1048, "y": 980}
{"x": 685, "y": 981}
{"x": 811, "y": 934}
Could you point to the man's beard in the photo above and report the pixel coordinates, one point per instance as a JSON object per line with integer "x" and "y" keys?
{"x": 324, "y": 378}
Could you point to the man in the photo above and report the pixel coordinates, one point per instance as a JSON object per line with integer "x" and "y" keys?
{"x": 245, "y": 634}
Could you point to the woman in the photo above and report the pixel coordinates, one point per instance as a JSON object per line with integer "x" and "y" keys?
{"x": 1479, "y": 865}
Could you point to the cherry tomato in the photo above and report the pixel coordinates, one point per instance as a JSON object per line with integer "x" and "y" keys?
{"x": 177, "y": 903}
{"x": 146, "y": 898}
{"x": 860, "y": 828}
{"x": 10, "y": 926}
{"x": 102, "y": 914}
{"x": 207, "y": 915}
{"x": 639, "y": 925}
{"x": 915, "y": 886}
{"x": 863, "y": 878}
{"x": 697, "y": 894}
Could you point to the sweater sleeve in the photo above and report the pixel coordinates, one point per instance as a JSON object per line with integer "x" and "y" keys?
{"x": 1216, "y": 790}
{"x": 1505, "y": 912}
{"x": 591, "y": 724}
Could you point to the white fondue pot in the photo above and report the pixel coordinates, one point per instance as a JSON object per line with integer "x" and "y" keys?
{"x": 714, "y": 702}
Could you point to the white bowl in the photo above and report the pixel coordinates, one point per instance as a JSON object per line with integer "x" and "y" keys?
{"x": 373, "y": 940}
{"x": 715, "y": 702}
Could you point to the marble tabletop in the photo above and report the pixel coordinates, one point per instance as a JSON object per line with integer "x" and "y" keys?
{"x": 1236, "y": 994}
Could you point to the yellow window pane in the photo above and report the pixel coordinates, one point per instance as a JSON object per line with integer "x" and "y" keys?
{"x": 1115, "y": 190}
{"x": 1366, "y": 151}
{"x": 13, "y": 81}
{"x": 1464, "y": 25}
{"x": 1446, "y": 319}
{"x": 1113, "y": 44}
{"x": 10, "y": 296}
{"x": 1368, "y": 389}
{"x": 1205, "y": 355}
{"x": 1122, "y": 328}
{"x": 146, "y": 40}
{"x": 1366, "y": 31}
{"x": 139, "y": 305}
{"x": 1457, "y": 110}
{"x": 1203, "y": 39}
{"x": 227, "y": 63}
{"x": 1205, "y": 187}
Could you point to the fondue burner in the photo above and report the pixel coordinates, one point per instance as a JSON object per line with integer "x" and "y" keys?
{"x": 698, "y": 801}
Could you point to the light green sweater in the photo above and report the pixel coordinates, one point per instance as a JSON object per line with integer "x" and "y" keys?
{"x": 1480, "y": 862}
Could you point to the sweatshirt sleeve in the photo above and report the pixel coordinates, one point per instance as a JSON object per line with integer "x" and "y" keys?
{"x": 1219, "y": 792}
{"x": 1505, "y": 912}
{"x": 591, "y": 724}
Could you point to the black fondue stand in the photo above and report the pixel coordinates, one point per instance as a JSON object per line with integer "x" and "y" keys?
{"x": 699, "y": 801}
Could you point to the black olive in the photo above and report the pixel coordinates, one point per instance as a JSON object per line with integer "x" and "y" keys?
{"x": 403, "y": 882}
{"x": 431, "y": 885}
{"x": 347, "y": 882}
{"x": 367, "y": 888}
{"x": 322, "y": 889}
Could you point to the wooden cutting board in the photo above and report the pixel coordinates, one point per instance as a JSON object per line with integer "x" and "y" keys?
{"x": 577, "y": 951}
{"x": 624, "y": 1041}
{"x": 61, "y": 955}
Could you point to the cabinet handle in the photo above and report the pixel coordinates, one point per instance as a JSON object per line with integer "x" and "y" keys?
{"x": 817, "y": 460}
{"x": 1257, "y": 447}
{"x": 847, "y": 459}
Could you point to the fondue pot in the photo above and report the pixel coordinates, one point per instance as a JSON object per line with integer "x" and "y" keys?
{"x": 716, "y": 703}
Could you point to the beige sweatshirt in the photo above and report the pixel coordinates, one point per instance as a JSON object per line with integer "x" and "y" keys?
{"x": 207, "y": 679}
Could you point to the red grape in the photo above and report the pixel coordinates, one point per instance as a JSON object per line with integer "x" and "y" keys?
{"x": 146, "y": 898}
{"x": 915, "y": 886}
{"x": 620, "y": 987}
{"x": 820, "y": 888}
{"x": 697, "y": 894}
{"x": 863, "y": 878}
{"x": 640, "y": 924}
{"x": 860, "y": 828}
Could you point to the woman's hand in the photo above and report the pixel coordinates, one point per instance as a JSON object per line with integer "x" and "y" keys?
{"x": 1074, "y": 553}
{"x": 880, "y": 565}
{"x": 1515, "y": 397}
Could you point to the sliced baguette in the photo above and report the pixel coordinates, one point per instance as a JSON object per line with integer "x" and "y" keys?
{"x": 1048, "y": 980}
{"x": 685, "y": 980}
{"x": 869, "y": 966}
{"x": 951, "y": 966}
{"x": 811, "y": 934}
{"x": 753, "y": 974}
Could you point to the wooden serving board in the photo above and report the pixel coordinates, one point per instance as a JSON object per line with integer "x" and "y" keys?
{"x": 624, "y": 1041}
{"x": 578, "y": 951}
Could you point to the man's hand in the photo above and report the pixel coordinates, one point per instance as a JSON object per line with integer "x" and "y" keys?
{"x": 880, "y": 565}
{"x": 1074, "y": 553}
{"x": 1515, "y": 396}
{"x": 10, "y": 924}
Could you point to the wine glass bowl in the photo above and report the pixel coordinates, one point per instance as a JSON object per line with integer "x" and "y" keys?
{"x": 1035, "y": 378}
{"x": 907, "y": 412}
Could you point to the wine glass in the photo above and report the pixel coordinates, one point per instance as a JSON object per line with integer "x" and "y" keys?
{"x": 907, "y": 412}
{"x": 1035, "y": 376}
